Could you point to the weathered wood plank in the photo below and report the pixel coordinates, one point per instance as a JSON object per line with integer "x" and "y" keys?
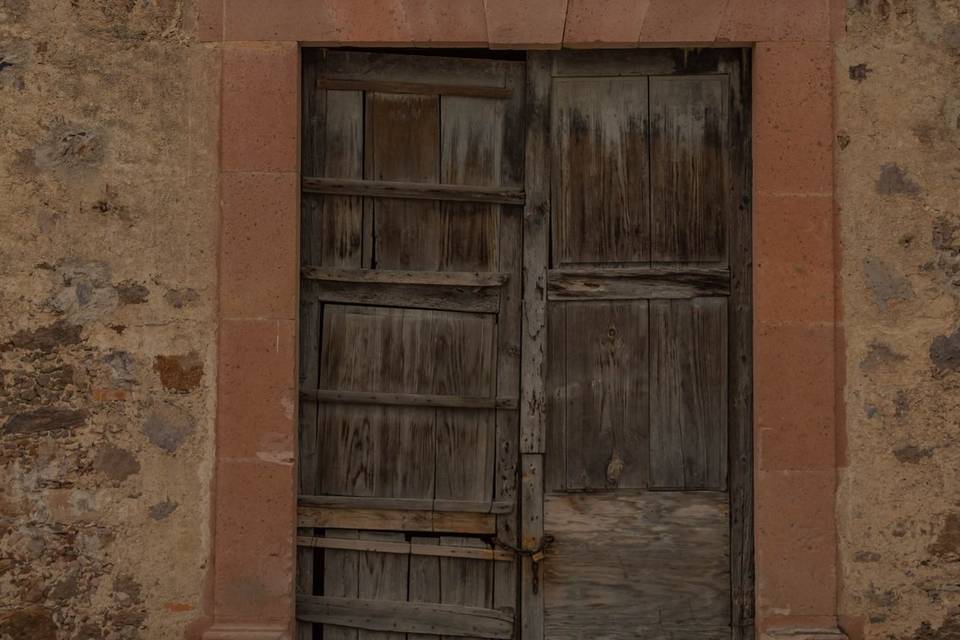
{"x": 341, "y": 578}
{"x": 740, "y": 355}
{"x": 398, "y": 520}
{"x": 417, "y": 547}
{"x": 688, "y": 168}
{"x": 424, "y": 577}
{"x": 406, "y": 67}
{"x": 383, "y": 576}
{"x": 406, "y": 399}
{"x": 405, "y": 504}
{"x": 400, "y": 190}
{"x": 688, "y": 407}
{"x": 437, "y": 278}
{"x": 402, "y": 617}
{"x": 470, "y": 91}
{"x": 622, "y": 562}
{"x": 471, "y": 151}
{"x": 606, "y": 403}
{"x": 535, "y": 255}
{"x": 631, "y": 283}
{"x": 533, "y": 403}
{"x": 600, "y": 176}
{"x": 466, "y": 581}
{"x": 405, "y": 147}
{"x": 446, "y": 298}
{"x": 555, "y": 473}
{"x": 507, "y": 444}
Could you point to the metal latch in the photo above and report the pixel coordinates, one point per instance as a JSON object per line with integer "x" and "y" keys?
{"x": 536, "y": 556}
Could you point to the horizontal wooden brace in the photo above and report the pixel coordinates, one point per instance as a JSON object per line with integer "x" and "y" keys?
{"x": 406, "y": 617}
{"x": 434, "y": 278}
{"x": 631, "y": 283}
{"x": 407, "y": 548}
{"x": 408, "y": 296}
{"x": 422, "y": 88}
{"x": 397, "y": 520}
{"x": 406, "y": 399}
{"x": 406, "y": 504}
{"x": 412, "y": 190}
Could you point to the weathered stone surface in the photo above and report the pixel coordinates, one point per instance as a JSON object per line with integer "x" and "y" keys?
{"x": 945, "y": 351}
{"x": 44, "y": 419}
{"x": 35, "y": 623}
{"x": 893, "y": 180}
{"x": 59, "y": 334}
{"x": 168, "y": 426}
{"x": 179, "y": 372}
{"x": 132, "y": 292}
{"x": 162, "y": 510}
{"x": 115, "y": 463}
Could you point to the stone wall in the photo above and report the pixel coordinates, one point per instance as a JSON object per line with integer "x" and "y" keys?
{"x": 898, "y": 177}
{"x": 108, "y": 116}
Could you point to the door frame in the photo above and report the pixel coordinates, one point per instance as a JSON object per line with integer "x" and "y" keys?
{"x": 796, "y": 333}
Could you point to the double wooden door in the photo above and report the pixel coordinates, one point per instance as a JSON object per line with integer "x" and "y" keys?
{"x": 524, "y": 355}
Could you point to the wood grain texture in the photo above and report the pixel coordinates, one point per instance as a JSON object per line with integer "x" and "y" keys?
{"x": 383, "y": 576}
{"x": 412, "y": 190}
{"x": 466, "y": 582}
{"x": 424, "y": 88}
{"x": 418, "y": 546}
{"x": 406, "y": 399}
{"x": 405, "y": 504}
{"x": 632, "y": 283}
{"x": 600, "y": 175}
{"x": 688, "y": 409}
{"x": 468, "y": 279}
{"x": 624, "y": 563}
{"x": 605, "y": 395}
{"x": 341, "y": 579}
{"x": 741, "y": 464}
{"x": 688, "y": 167}
{"x": 442, "y": 298}
{"x": 383, "y": 619}
{"x": 404, "y": 146}
{"x": 384, "y": 520}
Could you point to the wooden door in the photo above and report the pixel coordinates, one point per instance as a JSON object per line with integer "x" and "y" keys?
{"x": 636, "y": 388}
{"x": 410, "y": 332}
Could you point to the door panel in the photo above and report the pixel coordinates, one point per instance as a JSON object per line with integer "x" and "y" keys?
{"x": 601, "y": 170}
{"x": 638, "y": 565}
{"x": 409, "y": 346}
{"x": 646, "y": 299}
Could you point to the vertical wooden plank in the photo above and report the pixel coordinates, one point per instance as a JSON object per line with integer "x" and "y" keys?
{"x": 531, "y": 582}
{"x": 341, "y": 578}
{"x": 740, "y": 231}
{"x": 339, "y": 221}
{"x": 470, "y": 154}
{"x": 313, "y": 112}
{"x": 555, "y": 474}
{"x": 688, "y": 178}
{"x": 466, "y": 582}
{"x": 424, "y": 580}
{"x": 601, "y": 211}
{"x": 405, "y": 146}
{"x": 688, "y": 410}
{"x": 383, "y": 576}
{"x": 606, "y": 395}
{"x": 508, "y": 349}
{"x": 536, "y": 217}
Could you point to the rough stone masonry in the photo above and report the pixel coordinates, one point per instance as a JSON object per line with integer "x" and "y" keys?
{"x": 107, "y": 333}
